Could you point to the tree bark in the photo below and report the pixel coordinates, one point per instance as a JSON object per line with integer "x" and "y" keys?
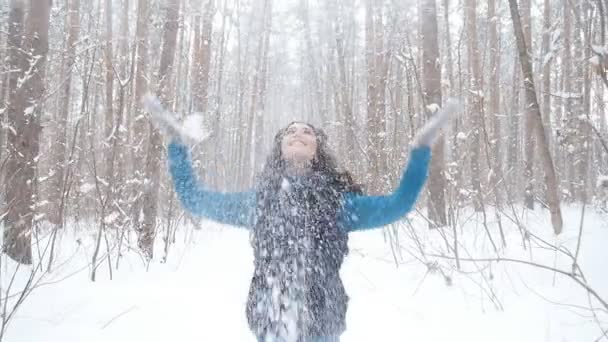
{"x": 494, "y": 97}
{"x": 58, "y": 151}
{"x": 109, "y": 93}
{"x": 200, "y": 83}
{"x": 528, "y": 117}
{"x": 584, "y": 84}
{"x": 448, "y": 47}
{"x": 262, "y": 74}
{"x": 345, "y": 99}
{"x": 567, "y": 76}
{"x": 475, "y": 98}
{"x": 24, "y": 118}
{"x": 431, "y": 79}
{"x": 139, "y": 122}
{"x": 202, "y": 58}
{"x": 546, "y": 61}
{"x": 547, "y": 162}
{"x": 376, "y": 82}
{"x": 255, "y": 128}
{"x": 148, "y": 229}
{"x": 318, "y": 109}
{"x": 514, "y": 148}
{"x": 220, "y": 152}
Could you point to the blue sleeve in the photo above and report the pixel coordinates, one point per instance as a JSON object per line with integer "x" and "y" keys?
{"x": 365, "y": 212}
{"x": 229, "y": 208}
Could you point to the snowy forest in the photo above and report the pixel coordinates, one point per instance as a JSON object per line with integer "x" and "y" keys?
{"x": 518, "y": 180}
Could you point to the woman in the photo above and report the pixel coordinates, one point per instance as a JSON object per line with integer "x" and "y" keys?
{"x": 299, "y": 215}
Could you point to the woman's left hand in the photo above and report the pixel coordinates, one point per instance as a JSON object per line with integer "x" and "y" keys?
{"x": 430, "y": 131}
{"x": 189, "y": 132}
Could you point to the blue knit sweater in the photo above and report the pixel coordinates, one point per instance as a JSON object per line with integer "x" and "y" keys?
{"x": 360, "y": 212}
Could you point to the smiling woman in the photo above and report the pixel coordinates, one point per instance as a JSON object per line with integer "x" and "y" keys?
{"x": 299, "y": 213}
{"x": 299, "y": 145}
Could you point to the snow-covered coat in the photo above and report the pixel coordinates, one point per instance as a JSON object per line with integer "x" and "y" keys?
{"x": 299, "y": 240}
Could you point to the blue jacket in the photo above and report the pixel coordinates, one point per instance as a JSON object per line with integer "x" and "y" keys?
{"x": 360, "y": 212}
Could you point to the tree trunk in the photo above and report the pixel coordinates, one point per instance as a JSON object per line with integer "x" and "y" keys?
{"x": 147, "y": 234}
{"x": 345, "y": 100}
{"x": 546, "y": 68}
{"x": 494, "y": 98}
{"x": 514, "y": 147}
{"x": 448, "y": 46}
{"x": 316, "y": 95}
{"x": 80, "y": 139}
{"x": 202, "y": 58}
{"x": 4, "y": 76}
{"x": 547, "y": 162}
{"x": 124, "y": 107}
{"x": 58, "y": 151}
{"x": 241, "y": 144}
{"x": 475, "y": 91}
{"x": 376, "y": 82}
{"x": 546, "y": 61}
{"x": 601, "y": 112}
{"x": 584, "y": 84}
{"x": 255, "y": 126}
{"x": 108, "y": 135}
{"x": 260, "y": 112}
{"x": 200, "y": 83}
{"x": 24, "y": 118}
{"x": 431, "y": 79}
{"x": 139, "y": 122}
{"x": 582, "y": 105}
{"x": 566, "y": 167}
{"x": 220, "y": 152}
{"x": 123, "y": 46}
{"x": 528, "y": 117}
{"x": 206, "y": 48}
{"x": 17, "y": 237}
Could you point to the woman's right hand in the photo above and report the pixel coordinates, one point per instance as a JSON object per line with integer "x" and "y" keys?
{"x": 189, "y": 132}
{"x": 162, "y": 119}
{"x": 430, "y": 131}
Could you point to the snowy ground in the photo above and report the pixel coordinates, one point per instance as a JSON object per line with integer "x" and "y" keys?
{"x": 200, "y": 293}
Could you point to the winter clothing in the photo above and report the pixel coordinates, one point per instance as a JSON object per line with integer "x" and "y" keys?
{"x": 359, "y": 212}
{"x": 299, "y": 229}
{"x": 300, "y": 239}
{"x": 430, "y": 132}
{"x": 299, "y": 245}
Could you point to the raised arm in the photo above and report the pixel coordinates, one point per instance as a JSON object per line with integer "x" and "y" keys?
{"x": 366, "y": 212}
{"x": 230, "y": 208}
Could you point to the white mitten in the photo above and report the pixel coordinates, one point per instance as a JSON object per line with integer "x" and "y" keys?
{"x": 430, "y": 131}
{"x": 162, "y": 119}
{"x": 189, "y": 132}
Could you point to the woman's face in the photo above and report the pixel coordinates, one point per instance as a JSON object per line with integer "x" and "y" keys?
{"x": 299, "y": 143}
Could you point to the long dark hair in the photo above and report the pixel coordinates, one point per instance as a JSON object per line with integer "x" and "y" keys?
{"x": 323, "y": 162}
{"x": 300, "y": 222}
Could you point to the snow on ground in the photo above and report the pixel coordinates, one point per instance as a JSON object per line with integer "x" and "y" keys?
{"x": 200, "y": 293}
